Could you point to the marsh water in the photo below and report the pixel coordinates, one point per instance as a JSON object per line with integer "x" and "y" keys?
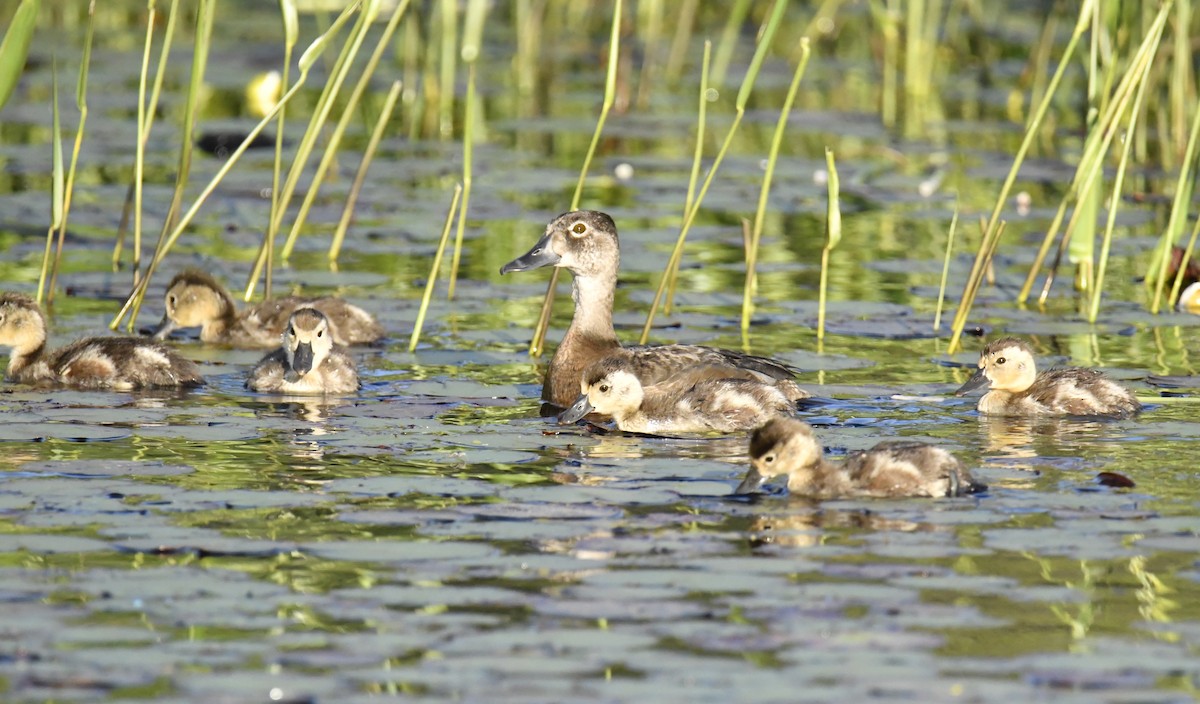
{"x": 434, "y": 537}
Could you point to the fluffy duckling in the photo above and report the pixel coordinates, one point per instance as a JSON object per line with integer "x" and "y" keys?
{"x": 890, "y": 469}
{"x": 308, "y": 362}
{"x": 119, "y": 363}
{"x": 1007, "y": 370}
{"x": 585, "y": 243}
{"x": 195, "y": 299}
{"x": 701, "y": 400}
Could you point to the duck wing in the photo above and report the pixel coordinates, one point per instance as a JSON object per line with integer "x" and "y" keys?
{"x": 907, "y": 468}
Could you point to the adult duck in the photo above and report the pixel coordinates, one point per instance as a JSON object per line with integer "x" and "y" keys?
{"x": 585, "y": 243}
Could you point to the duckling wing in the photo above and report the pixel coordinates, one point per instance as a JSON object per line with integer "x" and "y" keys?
{"x": 1082, "y": 392}
{"x": 268, "y": 374}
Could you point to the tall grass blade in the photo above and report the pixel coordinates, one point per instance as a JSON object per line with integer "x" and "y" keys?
{"x": 610, "y": 95}
{"x": 433, "y": 270}
{"x": 472, "y": 41}
{"x": 833, "y": 236}
{"x": 751, "y": 284}
{"x": 14, "y": 49}
{"x": 56, "y": 189}
{"x": 743, "y": 95}
{"x": 937, "y": 316}
{"x": 385, "y": 115}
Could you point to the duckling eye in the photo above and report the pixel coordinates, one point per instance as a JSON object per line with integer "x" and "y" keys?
{"x": 604, "y": 388}
{"x": 768, "y": 459}
{"x": 320, "y": 333}
{"x": 579, "y": 228}
{"x": 171, "y": 301}
{"x": 291, "y": 332}
{"x": 1000, "y": 360}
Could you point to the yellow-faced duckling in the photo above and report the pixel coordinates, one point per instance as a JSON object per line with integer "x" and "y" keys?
{"x": 1015, "y": 388}
{"x": 308, "y": 362}
{"x": 585, "y": 243}
{"x": 119, "y": 363}
{"x": 195, "y": 299}
{"x": 890, "y": 469}
{"x": 701, "y": 400}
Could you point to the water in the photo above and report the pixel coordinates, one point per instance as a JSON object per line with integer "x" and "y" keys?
{"x": 434, "y": 538}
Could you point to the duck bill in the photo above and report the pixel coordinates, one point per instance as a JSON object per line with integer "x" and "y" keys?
{"x": 164, "y": 328}
{"x": 977, "y": 381}
{"x": 302, "y": 359}
{"x": 752, "y": 483}
{"x": 576, "y": 412}
{"x": 541, "y": 255}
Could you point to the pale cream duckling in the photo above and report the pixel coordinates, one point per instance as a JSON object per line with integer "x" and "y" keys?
{"x": 890, "y": 469}
{"x": 308, "y": 362}
{"x": 195, "y": 299}
{"x": 585, "y": 243}
{"x": 118, "y": 363}
{"x": 701, "y": 400}
{"x": 1015, "y": 388}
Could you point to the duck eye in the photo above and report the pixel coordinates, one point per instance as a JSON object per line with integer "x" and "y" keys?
{"x": 1000, "y": 360}
{"x": 579, "y": 228}
{"x": 291, "y": 332}
{"x": 604, "y": 388}
{"x": 320, "y": 333}
{"x": 171, "y": 301}
{"x": 768, "y": 459}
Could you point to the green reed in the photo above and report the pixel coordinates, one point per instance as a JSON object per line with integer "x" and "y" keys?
{"x": 743, "y": 95}
{"x": 472, "y": 45}
{"x": 431, "y": 281}
{"x": 291, "y": 36}
{"x": 310, "y": 56}
{"x": 385, "y": 115}
{"x": 991, "y": 230}
{"x": 610, "y": 95}
{"x": 833, "y": 235}
{"x": 937, "y": 316}
{"x": 14, "y": 49}
{"x": 348, "y": 112}
{"x": 56, "y": 188}
{"x": 147, "y": 111}
{"x": 751, "y": 285}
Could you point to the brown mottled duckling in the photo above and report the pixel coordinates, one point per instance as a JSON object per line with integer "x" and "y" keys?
{"x": 890, "y": 469}
{"x": 585, "y": 243}
{"x": 194, "y": 298}
{"x": 119, "y": 363}
{"x": 1007, "y": 370}
{"x": 308, "y": 362}
{"x": 701, "y": 400}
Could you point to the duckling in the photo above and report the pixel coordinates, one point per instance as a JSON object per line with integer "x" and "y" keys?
{"x": 308, "y": 362}
{"x": 890, "y": 469}
{"x": 701, "y": 400}
{"x": 194, "y": 298}
{"x": 1007, "y": 370}
{"x": 585, "y": 243}
{"x": 118, "y": 363}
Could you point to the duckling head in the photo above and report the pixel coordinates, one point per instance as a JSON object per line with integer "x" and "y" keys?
{"x": 606, "y": 388}
{"x": 581, "y": 241}
{"x": 306, "y": 342}
{"x": 22, "y": 326}
{"x": 781, "y": 446}
{"x": 193, "y": 299}
{"x": 1004, "y": 365}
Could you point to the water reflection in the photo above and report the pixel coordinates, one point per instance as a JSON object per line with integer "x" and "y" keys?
{"x": 810, "y": 526}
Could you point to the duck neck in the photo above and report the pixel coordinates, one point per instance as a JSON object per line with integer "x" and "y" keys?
{"x": 594, "y": 308}
{"x": 213, "y": 330}
{"x": 824, "y": 479}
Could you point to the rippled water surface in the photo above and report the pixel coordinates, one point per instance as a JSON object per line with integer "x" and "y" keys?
{"x": 434, "y": 538}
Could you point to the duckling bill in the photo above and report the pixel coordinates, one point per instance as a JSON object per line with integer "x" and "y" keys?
{"x": 1015, "y": 388}
{"x": 585, "y": 243}
{"x": 786, "y": 446}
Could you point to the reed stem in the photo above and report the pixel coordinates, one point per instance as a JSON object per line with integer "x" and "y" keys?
{"x": 385, "y": 115}
{"x": 433, "y": 270}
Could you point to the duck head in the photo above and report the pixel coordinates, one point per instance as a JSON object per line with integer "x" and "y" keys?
{"x": 1004, "y": 365}
{"x": 581, "y": 241}
{"x": 781, "y": 446}
{"x": 306, "y": 342}
{"x": 608, "y": 389}
{"x": 193, "y": 299}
